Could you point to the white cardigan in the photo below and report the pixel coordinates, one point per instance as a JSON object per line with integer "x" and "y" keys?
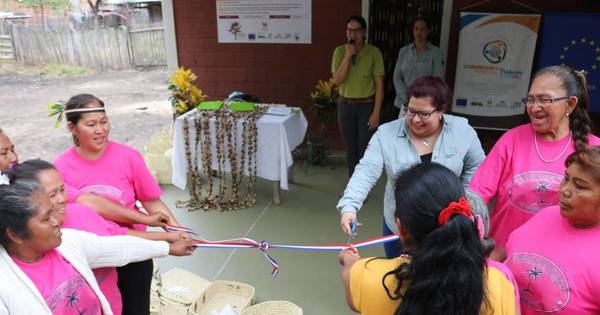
{"x": 85, "y": 251}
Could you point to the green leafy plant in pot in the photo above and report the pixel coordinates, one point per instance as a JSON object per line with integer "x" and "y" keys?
{"x": 325, "y": 107}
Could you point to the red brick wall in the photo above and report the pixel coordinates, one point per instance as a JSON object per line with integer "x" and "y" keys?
{"x": 276, "y": 73}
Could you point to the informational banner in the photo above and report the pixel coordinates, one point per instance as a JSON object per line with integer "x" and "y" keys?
{"x": 495, "y": 58}
{"x": 577, "y": 46}
{"x": 264, "y": 21}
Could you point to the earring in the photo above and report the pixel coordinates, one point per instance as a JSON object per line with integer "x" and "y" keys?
{"x": 568, "y": 114}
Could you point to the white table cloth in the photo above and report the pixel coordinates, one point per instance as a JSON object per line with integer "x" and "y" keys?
{"x": 277, "y": 137}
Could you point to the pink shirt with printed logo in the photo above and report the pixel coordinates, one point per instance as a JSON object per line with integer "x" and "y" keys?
{"x": 557, "y": 266}
{"x": 80, "y": 217}
{"x": 65, "y": 291}
{"x": 522, "y": 183}
{"x": 120, "y": 175}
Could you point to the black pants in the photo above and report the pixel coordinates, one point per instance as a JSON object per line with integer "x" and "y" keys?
{"x": 353, "y": 119}
{"x": 134, "y": 284}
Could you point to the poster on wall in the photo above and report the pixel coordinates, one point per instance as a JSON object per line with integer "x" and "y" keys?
{"x": 577, "y": 46}
{"x": 495, "y": 58}
{"x": 264, "y": 21}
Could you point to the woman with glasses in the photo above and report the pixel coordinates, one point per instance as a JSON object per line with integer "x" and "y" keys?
{"x": 426, "y": 134}
{"x": 417, "y": 59}
{"x": 357, "y": 69}
{"x": 524, "y": 169}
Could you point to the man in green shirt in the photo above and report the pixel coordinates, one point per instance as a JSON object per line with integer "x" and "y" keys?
{"x": 358, "y": 70}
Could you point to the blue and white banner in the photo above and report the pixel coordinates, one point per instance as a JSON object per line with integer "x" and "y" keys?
{"x": 495, "y": 58}
{"x": 573, "y": 39}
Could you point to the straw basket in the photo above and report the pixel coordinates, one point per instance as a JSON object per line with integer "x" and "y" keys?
{"x": 273, "y": 308}
{"x": 221, "y": 293}
{"x": 177, "y": 291}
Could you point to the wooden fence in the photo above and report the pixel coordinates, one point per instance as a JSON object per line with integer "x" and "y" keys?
{"x": 6, "y": 46}
{"x": 104, "y": 48}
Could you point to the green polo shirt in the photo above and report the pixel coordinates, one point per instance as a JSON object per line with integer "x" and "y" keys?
{"x": 359, "y": 82}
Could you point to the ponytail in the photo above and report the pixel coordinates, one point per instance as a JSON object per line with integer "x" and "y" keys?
{"x": 447, "y": 268}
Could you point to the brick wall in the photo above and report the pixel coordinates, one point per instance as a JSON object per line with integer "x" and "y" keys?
{"x": 276, "y": 73}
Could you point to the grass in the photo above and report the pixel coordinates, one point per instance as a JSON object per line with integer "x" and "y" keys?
{"x": 52, "y": 70}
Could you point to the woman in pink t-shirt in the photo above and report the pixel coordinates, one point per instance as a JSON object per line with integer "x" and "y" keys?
{"x": 554, "y": 256}
{"x": 80, "y": 217}
{"x": 524, "y": 169}
{"x": 46, "y": 270}
{"x": 115, "y": 171}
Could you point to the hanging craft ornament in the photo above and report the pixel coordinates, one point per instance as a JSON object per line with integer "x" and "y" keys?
{"x": 224, "y": 150}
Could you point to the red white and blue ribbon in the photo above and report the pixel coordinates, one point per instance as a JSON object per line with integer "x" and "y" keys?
{"x": 265, "y": 246}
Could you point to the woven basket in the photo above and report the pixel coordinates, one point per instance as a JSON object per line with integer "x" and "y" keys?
{"x": 177, "y": 291}
{"x": 221, "y": 293}
{"x": 273, "y": 308}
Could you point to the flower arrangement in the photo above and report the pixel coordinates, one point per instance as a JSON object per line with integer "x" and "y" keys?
{"x": 185, "y": 95}
{"x": 325, "y": 100}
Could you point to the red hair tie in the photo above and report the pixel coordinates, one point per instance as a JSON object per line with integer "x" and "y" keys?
{"x": 461, "y": 207}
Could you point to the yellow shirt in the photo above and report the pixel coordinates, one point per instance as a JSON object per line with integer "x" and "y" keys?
{"x": 370, "y": 298}
{"x": 359, "y": 82}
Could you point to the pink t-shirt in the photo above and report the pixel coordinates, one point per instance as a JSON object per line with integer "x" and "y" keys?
{"x": 522, "y": 183}
{"x": 556, "y": 265}
{"x": 120, "y": 175}
{"x": 63, "y": 288}
{"x": 83, "y": 218}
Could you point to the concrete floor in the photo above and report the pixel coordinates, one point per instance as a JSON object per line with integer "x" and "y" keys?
{"x": 306, "y": 215}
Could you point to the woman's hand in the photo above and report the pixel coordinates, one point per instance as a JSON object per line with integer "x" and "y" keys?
{"x": 373, "y": 121}
{"x": 349, "y": 256}
{"x": 173, "y": 237}
{"x": 158, "y": 219}
{"x": 346, "y": 222}
{"x": 182, "y": 248}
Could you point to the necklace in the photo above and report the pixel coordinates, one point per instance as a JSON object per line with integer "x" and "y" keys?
{"x": 537, "y": 149}
{"x": 426, "y": 142}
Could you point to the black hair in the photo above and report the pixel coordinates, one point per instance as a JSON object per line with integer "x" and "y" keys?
{"x": 76, "y": 102}
{"x": 30, "y": 169}
{"x": 80, "y": 101}
{"x": 575, "y": 84}
{"x": 422, "y": 19}
{"x": 446, "y": 272}
{"x": 359, "y": 19}
{"x": 18, "y": 206}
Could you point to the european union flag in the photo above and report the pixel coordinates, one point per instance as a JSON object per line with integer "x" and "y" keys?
{"x": 573, "y": 39}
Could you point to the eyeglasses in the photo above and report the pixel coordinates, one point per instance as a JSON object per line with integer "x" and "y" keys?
{"x": 543, "y": 101}
{"x": 423, "y": 115}
{"x": 354, "y": 30}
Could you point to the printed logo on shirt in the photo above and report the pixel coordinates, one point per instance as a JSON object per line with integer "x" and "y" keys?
{"x": 534, "y": 191}
{"x": 107, "y": 191}
{"x": 75, "y": 297}
{"x": 543, "y": 287}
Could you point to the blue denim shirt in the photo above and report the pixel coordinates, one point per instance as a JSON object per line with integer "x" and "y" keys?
{"x": 390, "y": 148}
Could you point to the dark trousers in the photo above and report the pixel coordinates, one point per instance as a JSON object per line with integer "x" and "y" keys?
{"x": 134, "y": 284}
{"x": 392, "y": 249}
{"x": 353, "y": 119}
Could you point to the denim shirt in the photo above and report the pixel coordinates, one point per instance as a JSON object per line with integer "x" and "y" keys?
{"x": 390, "y": 149}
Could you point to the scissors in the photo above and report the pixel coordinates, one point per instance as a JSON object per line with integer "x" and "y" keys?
{"x": 353, "y": 226}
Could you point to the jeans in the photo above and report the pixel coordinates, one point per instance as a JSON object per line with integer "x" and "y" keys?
{"x": 392, "y": 249}
{"x": 353, "y": 119}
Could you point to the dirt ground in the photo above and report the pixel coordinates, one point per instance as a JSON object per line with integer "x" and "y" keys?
{"x": 136, "y": 101}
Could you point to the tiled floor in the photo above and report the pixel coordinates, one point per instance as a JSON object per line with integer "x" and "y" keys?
{"x": 307, "y": 215}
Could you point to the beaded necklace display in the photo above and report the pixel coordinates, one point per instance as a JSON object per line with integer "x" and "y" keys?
{"x": 229, "y": 196}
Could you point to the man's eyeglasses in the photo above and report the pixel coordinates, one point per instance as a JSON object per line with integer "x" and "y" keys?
{"x": 354, "y": 30}
{"x": 543, "y": 101}
{"x": 423, "y": 115}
